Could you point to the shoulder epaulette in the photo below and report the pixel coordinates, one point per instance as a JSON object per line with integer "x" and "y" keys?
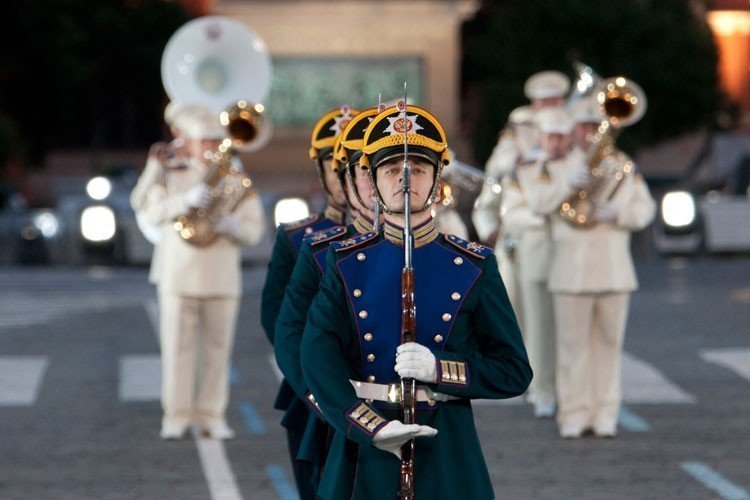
{"x": 470, "y": 247}
{"x": 325, "y": 235}
{"x": 291, "y": 226}
{"x": 353, "y": 242}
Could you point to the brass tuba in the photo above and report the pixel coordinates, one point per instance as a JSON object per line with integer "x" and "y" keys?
{"x": 214, "y": 61}
{"x": 621, "y": 102}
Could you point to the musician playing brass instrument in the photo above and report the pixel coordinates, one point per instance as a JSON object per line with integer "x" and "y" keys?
{"x": 591, "y": 273}
{"x": 199, "y": 287}
{"x": 467, "y": 343}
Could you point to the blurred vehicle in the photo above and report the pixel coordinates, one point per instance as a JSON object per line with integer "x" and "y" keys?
{"x": 708, "y": 211}
{"x": 100, "y": 226}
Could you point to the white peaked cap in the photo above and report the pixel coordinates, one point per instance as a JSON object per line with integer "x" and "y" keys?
{"x": 553, "y": 121}
{"x": 522, "y": 114}
{"x": 585, "y": 110}
{"x": 198, "y": 122}
{"x": 170, "y": 112}
{"x": 546, "y": 84}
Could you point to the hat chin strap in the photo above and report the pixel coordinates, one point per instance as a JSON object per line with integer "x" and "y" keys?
{"x": 427, "y": 204}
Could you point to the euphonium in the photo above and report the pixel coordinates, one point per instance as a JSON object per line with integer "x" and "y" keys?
{"x": 245, "y": 125}
{"x": 622, "y": 102}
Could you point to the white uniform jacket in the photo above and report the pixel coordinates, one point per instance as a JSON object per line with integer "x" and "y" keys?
{"x": 597, "y": 259}
{"x": 191, "y": 271}
{"x": 534, "y": 239}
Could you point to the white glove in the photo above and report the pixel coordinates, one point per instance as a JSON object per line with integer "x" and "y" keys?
{"x": 416, "y": 361}
{"x": 580, "y": 177}
{"x": 391, "y": 437}
{"x": 607, "y": 212}
{"x": 198, "y": 196}
{"x": 229, "y": 225}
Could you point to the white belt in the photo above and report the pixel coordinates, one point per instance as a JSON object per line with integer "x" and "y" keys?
{"x": 391, "y": 393}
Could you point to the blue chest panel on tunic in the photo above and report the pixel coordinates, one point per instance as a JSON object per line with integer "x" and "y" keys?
{"x": 297, "y": 235}
{"x": 372, "y": 278}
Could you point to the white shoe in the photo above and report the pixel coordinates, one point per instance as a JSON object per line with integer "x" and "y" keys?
{"x": 219, "y": 431}
{"x": 544, "y": 410}
{"x": 172, "y": 432}
{"x": 571, "y": 431}
{"x": 605, "y": 431}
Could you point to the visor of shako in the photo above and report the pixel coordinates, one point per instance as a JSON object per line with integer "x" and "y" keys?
{"x": 348, "y": 147}
{"x": 384, "y": 140}
{"x": 325, "y": 132}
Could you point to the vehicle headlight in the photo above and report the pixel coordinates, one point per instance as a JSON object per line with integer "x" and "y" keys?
{"x": 678, "y": 209}
{"x": 290, "y": 210}
{"x": 99, "y": 188}
{"x": 47, "y": 224}
{"x": 98, "y": 223}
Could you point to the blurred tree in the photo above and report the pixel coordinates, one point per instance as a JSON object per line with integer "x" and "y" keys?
{"x": 75, "y": 73}
{"x": 664, "y": 45}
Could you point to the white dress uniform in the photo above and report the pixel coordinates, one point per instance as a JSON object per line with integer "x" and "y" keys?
{"x": 591, "y": 277}
{"x": 515, "y": 142}
{"x": 199, "y": 290}
{"x": 449, "y": 222}
{"x": 533, "y": 255}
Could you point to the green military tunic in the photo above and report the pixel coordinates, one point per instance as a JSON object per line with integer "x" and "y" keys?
{"x": 353, "y": 329}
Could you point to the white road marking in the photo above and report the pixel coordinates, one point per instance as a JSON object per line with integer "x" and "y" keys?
{"x": 642, "y": 383}
{"x": 737, "y": 360}
{"x": 140, "y": 378}
{"x": 216, "y": 468}
{"x": 275, "y": 367}
{"x": 715, "y": 481}
{"x": 20, "y": 379}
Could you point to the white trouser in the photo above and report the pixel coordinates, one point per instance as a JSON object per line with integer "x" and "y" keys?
{"x": 590, "y": 332}
{"x": 509, "y": 272}
{"x": 539, "y": 337}
{"x": 196, "y": 346}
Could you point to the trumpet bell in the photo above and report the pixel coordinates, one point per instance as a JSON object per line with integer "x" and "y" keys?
{"x": 216, "y": 60}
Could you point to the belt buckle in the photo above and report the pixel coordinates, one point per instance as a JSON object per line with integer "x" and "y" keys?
{"x": 394, "y": 393}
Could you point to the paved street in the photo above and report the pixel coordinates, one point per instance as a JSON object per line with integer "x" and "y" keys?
{"x": 79, "y": 411}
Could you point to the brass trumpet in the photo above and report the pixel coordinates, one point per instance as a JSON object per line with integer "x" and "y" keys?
{"x": 622, "y": 103}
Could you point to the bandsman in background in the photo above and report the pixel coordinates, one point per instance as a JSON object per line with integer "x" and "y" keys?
{"x": 199, "y": 287}
{"x": 303, "y": 286}
{"x": 284, "y": 255}
{"x": 534, "y": 253}
{"x": 518, "y": 145}
{"x": 161, "y": 157}
{"x": 468, "y": 344}
{"x": 591, "y": 278}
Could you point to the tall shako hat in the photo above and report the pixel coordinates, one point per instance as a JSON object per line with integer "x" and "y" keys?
{"x": 328, "y": 128}
{"x": 347, "y": 149}
{"x": 384, "y": 140}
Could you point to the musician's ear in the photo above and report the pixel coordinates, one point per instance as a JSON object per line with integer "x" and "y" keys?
{"x": 439, "y": 193}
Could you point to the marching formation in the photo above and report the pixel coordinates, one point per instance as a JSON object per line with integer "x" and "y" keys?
{"x": 384, "y": 327}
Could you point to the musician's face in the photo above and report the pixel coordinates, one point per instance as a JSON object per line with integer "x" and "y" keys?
{"x": 555, "y": 145}
{"x": 352, "y": 197}
{"x": 333, "y": 184}
{"x": 202, "y": 148}
{"x": 389, "y": 179}
{"x": 583, "y": 133}
{"x": 547, "y": 102}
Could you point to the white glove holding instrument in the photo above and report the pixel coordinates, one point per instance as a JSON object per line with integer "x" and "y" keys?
{"x": 416, "y": 361}
{"x": 607, "y": 212}
{"x": 198, "y": 196}
{"x": 391, "y": 437}
{"x": 580, "y": 177}
{"x": 229, "y": 225}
